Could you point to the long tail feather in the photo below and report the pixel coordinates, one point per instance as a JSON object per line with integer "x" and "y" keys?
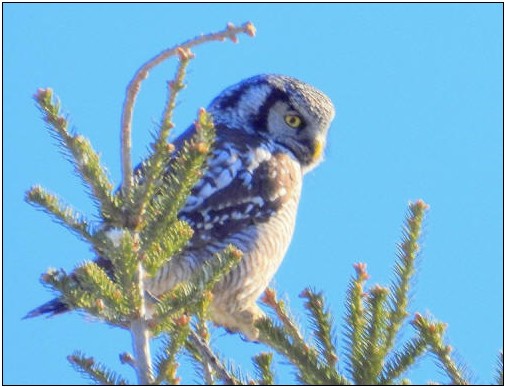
{"x": 51, "y": 308}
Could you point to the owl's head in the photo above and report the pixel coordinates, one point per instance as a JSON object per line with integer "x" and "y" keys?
{"x": 281, "y": 111}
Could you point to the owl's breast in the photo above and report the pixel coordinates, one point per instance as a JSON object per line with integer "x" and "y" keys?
{"x": 243, "y": 186}
{"x": 276, "y": 184}
{"x": 248, "y": 197}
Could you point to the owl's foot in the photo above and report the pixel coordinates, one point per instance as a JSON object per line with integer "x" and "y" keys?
{"x": 239, "y": 321}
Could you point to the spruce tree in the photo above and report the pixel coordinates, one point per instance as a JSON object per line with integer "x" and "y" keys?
{"x": 138, "y": 232}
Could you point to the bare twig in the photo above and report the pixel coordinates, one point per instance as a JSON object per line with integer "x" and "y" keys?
{"x": 134, "y": 87}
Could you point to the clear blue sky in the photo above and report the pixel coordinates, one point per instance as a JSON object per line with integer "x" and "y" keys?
{"x": 418, "y": 92}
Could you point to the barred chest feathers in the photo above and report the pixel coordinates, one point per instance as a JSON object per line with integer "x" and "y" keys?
{"x": 273, "y": 182}
{"x": 249, "y": 198}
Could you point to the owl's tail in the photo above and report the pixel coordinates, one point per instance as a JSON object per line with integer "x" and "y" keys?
{"x": 51, "y": 308}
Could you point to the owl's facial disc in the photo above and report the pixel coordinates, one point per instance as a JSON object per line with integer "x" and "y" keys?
{"x": 301, "y": 132}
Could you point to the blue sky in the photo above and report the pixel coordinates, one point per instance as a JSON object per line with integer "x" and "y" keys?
{"x": 418, "y": 92}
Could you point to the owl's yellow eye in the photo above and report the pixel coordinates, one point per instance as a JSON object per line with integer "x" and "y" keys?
{"x": 293, "y": 120}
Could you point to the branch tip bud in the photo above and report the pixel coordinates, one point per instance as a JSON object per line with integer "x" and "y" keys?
{"x": 185, "y": 53}
{"x": 126, "y": 358}
{"x": 269, "y": 297}
{"x": 183, "y": 320}
{"x": 201, "y": 147}
{"x": 361, "y": 272}
{"x": 100, "y": 304}
{"x": 250, "y": 29}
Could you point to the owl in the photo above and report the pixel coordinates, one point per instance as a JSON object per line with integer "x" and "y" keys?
{"x": 270, "y": 131}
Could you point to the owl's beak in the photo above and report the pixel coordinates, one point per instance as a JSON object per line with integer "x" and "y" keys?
{"x": 318, "y": 149}
{"x": 314, "y": 154}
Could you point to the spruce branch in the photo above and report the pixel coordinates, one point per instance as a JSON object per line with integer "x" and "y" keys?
{"x": 377, "y": 320}
{"x": 61, "y": 213}
{"x": 287, "y": 340}
{"x": 322, "y": 326}
{"x": 124, "y": 259}
{"x": 166, "y": 364}
{"x": 355, "y": 329}
{"x": 263, "y": 365}
{"x": 76, "y": 296}
{"x": 96, "y": 372}
{"x": 184, "y": 170}
{"x": 84, "y": 158}
{"x": 159, "y": 252}
{"x": 279, "y": 307}
{"x": 133, "y": 89}
{"x": 499, "y": 369}
{"x": 94, "y": 279}
{"x": 202, "y": 329}
{"x": 277, "y": 338}
{"x": 404, "y": 270}
{"x": 203, "y": 354}
{"x": 432, "y": 332}
{"x": 301, "y": 355}
{"x": 401, "y": 360}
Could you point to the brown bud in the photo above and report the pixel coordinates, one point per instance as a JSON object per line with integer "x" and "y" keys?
{"x": 269, "y": 297}
{"x": 422, "y": 204}
{"x": 45, "y": 277}
{"x": 181, "y": 51}
{"x": 360, "y": 268}
{"x": 43, "y": 93}
{"x": 333, "y": 358}
{"x": 100, "y": 304}
{"x": 418, "y": 318}
{"x": 183, "y": 320}
{"x": 236, "y": 253}
{"x": 184, "y": 53}
{"x": 201, "y": 147}
{"x": 250, "y": 29}
{"x": 126, "y": 358}
{"x": 62, "y": 122}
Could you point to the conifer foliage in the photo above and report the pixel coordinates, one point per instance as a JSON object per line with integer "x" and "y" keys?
{"x": 371, "y": 354}
{"x": 138, "y": 232}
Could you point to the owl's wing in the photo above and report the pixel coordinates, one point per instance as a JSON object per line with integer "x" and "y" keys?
{"x": 242, "y": 186}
